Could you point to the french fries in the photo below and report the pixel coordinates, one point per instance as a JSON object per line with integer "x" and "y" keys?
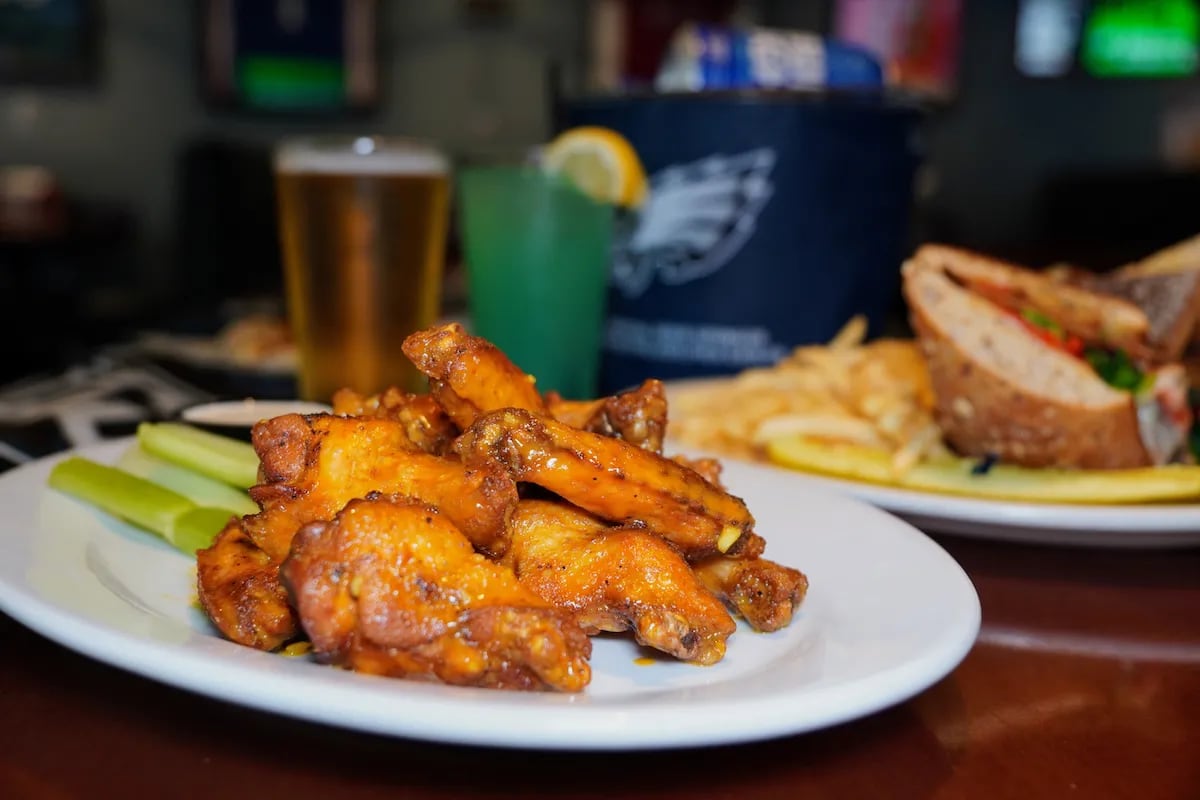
{"x": 874, "y": 395}
{"x": 959, "y": 476}
{"x": 864, "y": 412}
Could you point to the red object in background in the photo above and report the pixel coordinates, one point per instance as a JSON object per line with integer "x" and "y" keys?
{"x": 649, "y": 25}
{"x": 916, "y": 40}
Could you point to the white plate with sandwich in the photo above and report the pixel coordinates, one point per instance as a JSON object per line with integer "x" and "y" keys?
{"x": 1030, "y": 408}
{"x": 1129, "y": 526}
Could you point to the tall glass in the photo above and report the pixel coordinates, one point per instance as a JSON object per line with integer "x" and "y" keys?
{"x": 363, "y": 226}
{"x": 537, "y": 252}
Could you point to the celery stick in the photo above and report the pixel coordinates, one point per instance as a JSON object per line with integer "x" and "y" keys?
{"x": 200, "y": 489}
{"x": 129, "y": 497}
{"x": 227, "y": 460}
{"x": 169, "y": 514}
{"x": 196, "y": 528}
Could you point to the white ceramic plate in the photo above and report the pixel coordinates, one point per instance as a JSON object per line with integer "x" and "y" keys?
{"x": 1074, "y": 525}
{"x": 1128, "y": 526}
{"x": 888, "y": 614}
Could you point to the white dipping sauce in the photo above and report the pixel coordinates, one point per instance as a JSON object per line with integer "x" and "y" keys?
{"x": 249, "y": 411}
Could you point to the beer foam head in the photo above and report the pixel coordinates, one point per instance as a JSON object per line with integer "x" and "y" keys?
{"x": 366, "y": 155}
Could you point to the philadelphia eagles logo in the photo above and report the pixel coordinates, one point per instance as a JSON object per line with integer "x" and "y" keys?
{"x": 697, "y": 218}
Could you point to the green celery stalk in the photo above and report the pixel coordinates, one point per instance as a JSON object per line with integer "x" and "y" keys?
{"x": 156, "y": 508}
{"x": 129, "y": 497}
{"x": 220, "y": 457}
{"x": 196, "y": 528}
{"x": 200, "y": 489}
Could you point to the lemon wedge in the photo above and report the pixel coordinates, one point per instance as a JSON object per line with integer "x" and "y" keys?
{"x": 601, "y": 162}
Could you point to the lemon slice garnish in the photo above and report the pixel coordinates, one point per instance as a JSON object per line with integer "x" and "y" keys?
{"x": 600, "y": 162}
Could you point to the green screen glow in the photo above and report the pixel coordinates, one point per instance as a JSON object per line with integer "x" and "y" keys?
{"x": 1152, "y": 39}
{"x": 282, "y": 82}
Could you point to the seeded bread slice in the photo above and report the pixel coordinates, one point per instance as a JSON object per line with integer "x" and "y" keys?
{"x": 1096, "y": 318}
{"x": 1180, "y": 257}
{"x": 1002, "y": 391}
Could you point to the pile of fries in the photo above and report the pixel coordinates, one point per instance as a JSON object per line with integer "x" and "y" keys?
{"x": 875, "y": 394}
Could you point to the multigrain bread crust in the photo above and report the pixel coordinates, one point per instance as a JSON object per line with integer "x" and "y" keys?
{"x": 1172, "y": 274}
{"x": 984, "y": 374}
{"x": 1110, "y": 320}
{"x": 1171, "y": 303}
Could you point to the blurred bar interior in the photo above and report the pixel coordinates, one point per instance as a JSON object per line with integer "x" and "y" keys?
{"x": 135, "y": 181}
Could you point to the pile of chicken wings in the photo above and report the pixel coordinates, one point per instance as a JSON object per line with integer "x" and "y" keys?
{"x": 479, "y": 534}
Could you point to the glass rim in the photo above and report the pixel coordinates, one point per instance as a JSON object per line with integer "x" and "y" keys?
{"x": 505, "y": 156}
{"x": 366, "y": 153}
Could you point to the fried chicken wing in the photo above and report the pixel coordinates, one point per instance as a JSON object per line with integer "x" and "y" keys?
{"x": 763, "y": 593}
{"x": 614, "y": 480}
{"x": 241, "y": 593}
{"x": 462, "y": 412}
{"x": 391, "y": 587}
{"x": 478, "y": 534}
{"x": 616, "y": 579}
{"x": 311, "y": 466}
{"x": 472, "y": 375}
{"x": 638, "y": 416}
{"x": 707, "y": 468}
{"x": 581, "y": 414}
{"x": 425, "y": 421}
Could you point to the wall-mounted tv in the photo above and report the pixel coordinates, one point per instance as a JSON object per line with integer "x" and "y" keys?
{"x": 48, "y": 41}
{"x": 296, "y": 56}
{"x": 1108, "y": 38}
{"x": 1140, "y": 39}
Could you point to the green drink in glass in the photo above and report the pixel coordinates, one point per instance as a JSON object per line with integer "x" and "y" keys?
{"x": 537, "y": 252}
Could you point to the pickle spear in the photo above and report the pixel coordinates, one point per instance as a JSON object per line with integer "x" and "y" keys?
{"x": 967, "y": 477}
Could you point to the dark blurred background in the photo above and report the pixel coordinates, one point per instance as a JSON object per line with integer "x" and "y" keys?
{"x": 135, "y": 187}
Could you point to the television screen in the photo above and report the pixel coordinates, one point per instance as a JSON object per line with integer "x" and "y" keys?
{"x": 1150, "y": 39}
{"x": 290, "y": 55}
{"x": 1108, "y": 38}
{"x": 47, "y": 41}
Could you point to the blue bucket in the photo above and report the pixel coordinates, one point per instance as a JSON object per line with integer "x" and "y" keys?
{"x": 773, "y": 218}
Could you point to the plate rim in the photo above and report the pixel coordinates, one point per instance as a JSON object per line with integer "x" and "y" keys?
{"x": 1152, "y": 517}
{"x": 1124, "y": 525}
{"x": 570, "y": 725}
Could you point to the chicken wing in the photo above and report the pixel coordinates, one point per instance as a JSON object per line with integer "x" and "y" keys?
{"x": 424, "y": 419}
{"x": 614, "y": 480}
{"x": 469, "y": 375}
{"x": 391, "y": 587}
{"x": 707, "y": 468}
{"x": 581, "y": 414}
{"x": 616, "y": 579}
{"x": 462, "y": 412}
{"x": 638, "y": 416}
{"x": 764, "y": 593}
{"x": 311, "y": 467}
{"x": 240, "y": 591}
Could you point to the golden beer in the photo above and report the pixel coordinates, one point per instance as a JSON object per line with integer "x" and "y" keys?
{"x": 363, "y": 227}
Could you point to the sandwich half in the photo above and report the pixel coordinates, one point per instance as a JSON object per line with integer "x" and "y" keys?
{"x": 1166, "y": 286}
{"x": 1035, "y": 372}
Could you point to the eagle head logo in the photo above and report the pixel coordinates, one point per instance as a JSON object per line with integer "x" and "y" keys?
{"x": 698, "y": 216}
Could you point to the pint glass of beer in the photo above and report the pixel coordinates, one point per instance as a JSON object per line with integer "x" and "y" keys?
{"x": 363, "y": 228}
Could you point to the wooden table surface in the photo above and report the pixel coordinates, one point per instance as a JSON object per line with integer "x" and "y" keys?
{"x": 1085, "y": 682}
